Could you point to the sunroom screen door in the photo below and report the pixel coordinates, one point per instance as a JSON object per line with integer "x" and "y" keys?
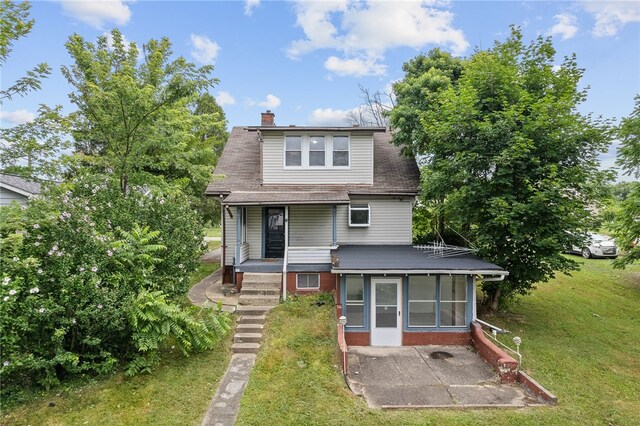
{"x": 386, "y": 317}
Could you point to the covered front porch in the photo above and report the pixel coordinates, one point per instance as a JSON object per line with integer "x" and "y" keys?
{"x": 294, "y": 239}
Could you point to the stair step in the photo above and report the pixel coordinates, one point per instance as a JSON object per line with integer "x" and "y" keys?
{"x": 261, "y": 291}
{"x": 262, "y": 277}
{"x": 251, "y": 319}
{"x": 247, "y": 337}
{"x": 253, "y": 310}
{"x": 249, "y": 328}
{"x": 260, "y": 285}
{"x": 257, "y": 300}
{"x": 245, "y": 348}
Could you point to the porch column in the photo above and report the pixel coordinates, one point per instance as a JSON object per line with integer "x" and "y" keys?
{"x": 238, "y": 233}
{"x": 286, "y": 253}
{"x": 335, "y": 233}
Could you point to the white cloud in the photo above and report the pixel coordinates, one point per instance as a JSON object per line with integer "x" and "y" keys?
{"x": 566, "y": 26}
{"x": 224, "y": 98}
{"x": 16, "y": 117}
{"x": 98, "y": 13}
{"x": 612, "y": 16}
{"x": 328, "y": 117}
{"x": 204, "y": 50}
{"x": 364, "y": 30}
{"x": 270, "y": 102}
{"x": 355, "y": 67}
{"x": 249, "y": 5}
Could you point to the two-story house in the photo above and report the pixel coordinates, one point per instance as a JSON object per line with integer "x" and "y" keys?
{"x": 330, "y": 208}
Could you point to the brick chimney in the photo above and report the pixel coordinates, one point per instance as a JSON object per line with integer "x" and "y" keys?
{"x": 267, "y": 118}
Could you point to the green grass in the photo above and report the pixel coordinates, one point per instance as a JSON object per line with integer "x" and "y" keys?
{"x": 581, "y": 340}
{"x": 177, "y": 392}
{"x": 204, "y": 270}
{"x": 212, "y": 245}
{"x": 214, "y": 231}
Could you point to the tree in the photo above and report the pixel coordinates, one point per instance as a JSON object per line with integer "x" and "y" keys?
{"x": 506, "y": 149}
{"x": 373, "y": 111}
{"x": 35, "y": 150}
{"x": 15, "y": 24}
{"x": 628, "y": 217}
{"x": 135, "y": 114}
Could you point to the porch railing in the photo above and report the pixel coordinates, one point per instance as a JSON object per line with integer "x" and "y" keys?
{"x": 494, "y": 336}
{"x": 310, "y": 255}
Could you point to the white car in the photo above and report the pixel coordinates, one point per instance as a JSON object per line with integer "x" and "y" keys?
{"x": 597, "y": 245}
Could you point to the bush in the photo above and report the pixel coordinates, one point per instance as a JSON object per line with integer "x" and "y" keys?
{"x": 77, "y": 264}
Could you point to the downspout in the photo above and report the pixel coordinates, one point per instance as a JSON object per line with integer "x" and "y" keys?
{"x": 286, "y": 253}
{"x": 334, "y": 238}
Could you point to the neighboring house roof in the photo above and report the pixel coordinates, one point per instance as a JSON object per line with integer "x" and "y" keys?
{"x": 405, "y": 258}
{"x": 240, "y": 169}
{"x": 20, "y": 185}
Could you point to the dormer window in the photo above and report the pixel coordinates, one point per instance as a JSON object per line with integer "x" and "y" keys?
{"x": 316, "y": 151}
{"x": 340, "y": 151}
{"x": 293, "y": 150}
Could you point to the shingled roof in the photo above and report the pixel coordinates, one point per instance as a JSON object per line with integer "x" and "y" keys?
{"x": 23, "y": 186}
{"x": 239, "y": 172}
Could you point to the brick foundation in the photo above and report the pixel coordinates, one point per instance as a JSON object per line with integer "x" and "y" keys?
{"x": 327, "y": 283}
{"x": 357, "y": 338}
{"x": 239, "y": 276}
{"x": 435, "y": 338}
{"x": 505, "y": 365}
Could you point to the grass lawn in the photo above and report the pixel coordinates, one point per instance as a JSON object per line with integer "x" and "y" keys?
{"x": 212, "y": 245}
{"x": 581, "y": 340}
{"x": 203, "y": 271}
{"x": 178, "y": 392}
{"x": 215, "y": 231}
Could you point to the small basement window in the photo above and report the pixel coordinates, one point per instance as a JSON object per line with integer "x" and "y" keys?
{"x": 308, "y": 281}
{"x": 359, "y": 215}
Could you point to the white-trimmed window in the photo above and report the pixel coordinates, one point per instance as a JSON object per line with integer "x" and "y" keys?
{"x": 354, "y": 300}
{"x": 316, "y": 151}
{"x": 293, "y": 151}
{"x": 453, "y": 300}
{"x": 308, "y": 281}
{"x": 359, "y": 215}
{"x": 422, "y": 301}
{"x": 340, "y": 151}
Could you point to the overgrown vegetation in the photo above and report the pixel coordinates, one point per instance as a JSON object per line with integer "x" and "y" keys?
{"x": 586, "y": 356}
{"x": 89, "y": 282}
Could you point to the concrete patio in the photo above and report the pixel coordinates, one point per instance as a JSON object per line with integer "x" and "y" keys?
{"x": 430, "y": 376}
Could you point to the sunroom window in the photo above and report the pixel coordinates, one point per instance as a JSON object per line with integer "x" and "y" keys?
{"x": 359, "y": 214}
{"x": 293, "y": 151}
{"x": 340, "y": 151}
{"x": 316, "y": 151}
{"x": 422, "y": 301}
{"x": 453, "y": 300}
{"x": 354, "y": 301}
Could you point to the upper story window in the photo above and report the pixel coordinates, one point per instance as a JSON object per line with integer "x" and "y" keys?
{"x": 316, "y": 151}
{"x": 293, "y": 150}
{"x": 341, "y": 150}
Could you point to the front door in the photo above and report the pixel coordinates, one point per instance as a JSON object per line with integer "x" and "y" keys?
{"x": 386, "y": 316}
{"x": 274, "y": 232}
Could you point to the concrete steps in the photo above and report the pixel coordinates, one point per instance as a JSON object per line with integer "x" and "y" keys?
{"x": 259, "y": 294}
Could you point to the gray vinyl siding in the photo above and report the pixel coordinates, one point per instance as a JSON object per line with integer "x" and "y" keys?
{"x": 254, "y": 231}
{"x": 360, "y": 171}
{"x": 230, "y": 235}
{"x": 390, "y": 223}
{"x": 7, "y": 197}
{"x": 310, "y": 226}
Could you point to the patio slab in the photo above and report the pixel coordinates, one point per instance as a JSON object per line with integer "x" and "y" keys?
{"x": 430, "y": 376}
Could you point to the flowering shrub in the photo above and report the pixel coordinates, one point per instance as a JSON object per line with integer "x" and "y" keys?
{"x": 73, "y": 265}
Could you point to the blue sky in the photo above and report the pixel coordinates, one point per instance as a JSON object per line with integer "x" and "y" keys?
{"x": 305, "y": 60}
